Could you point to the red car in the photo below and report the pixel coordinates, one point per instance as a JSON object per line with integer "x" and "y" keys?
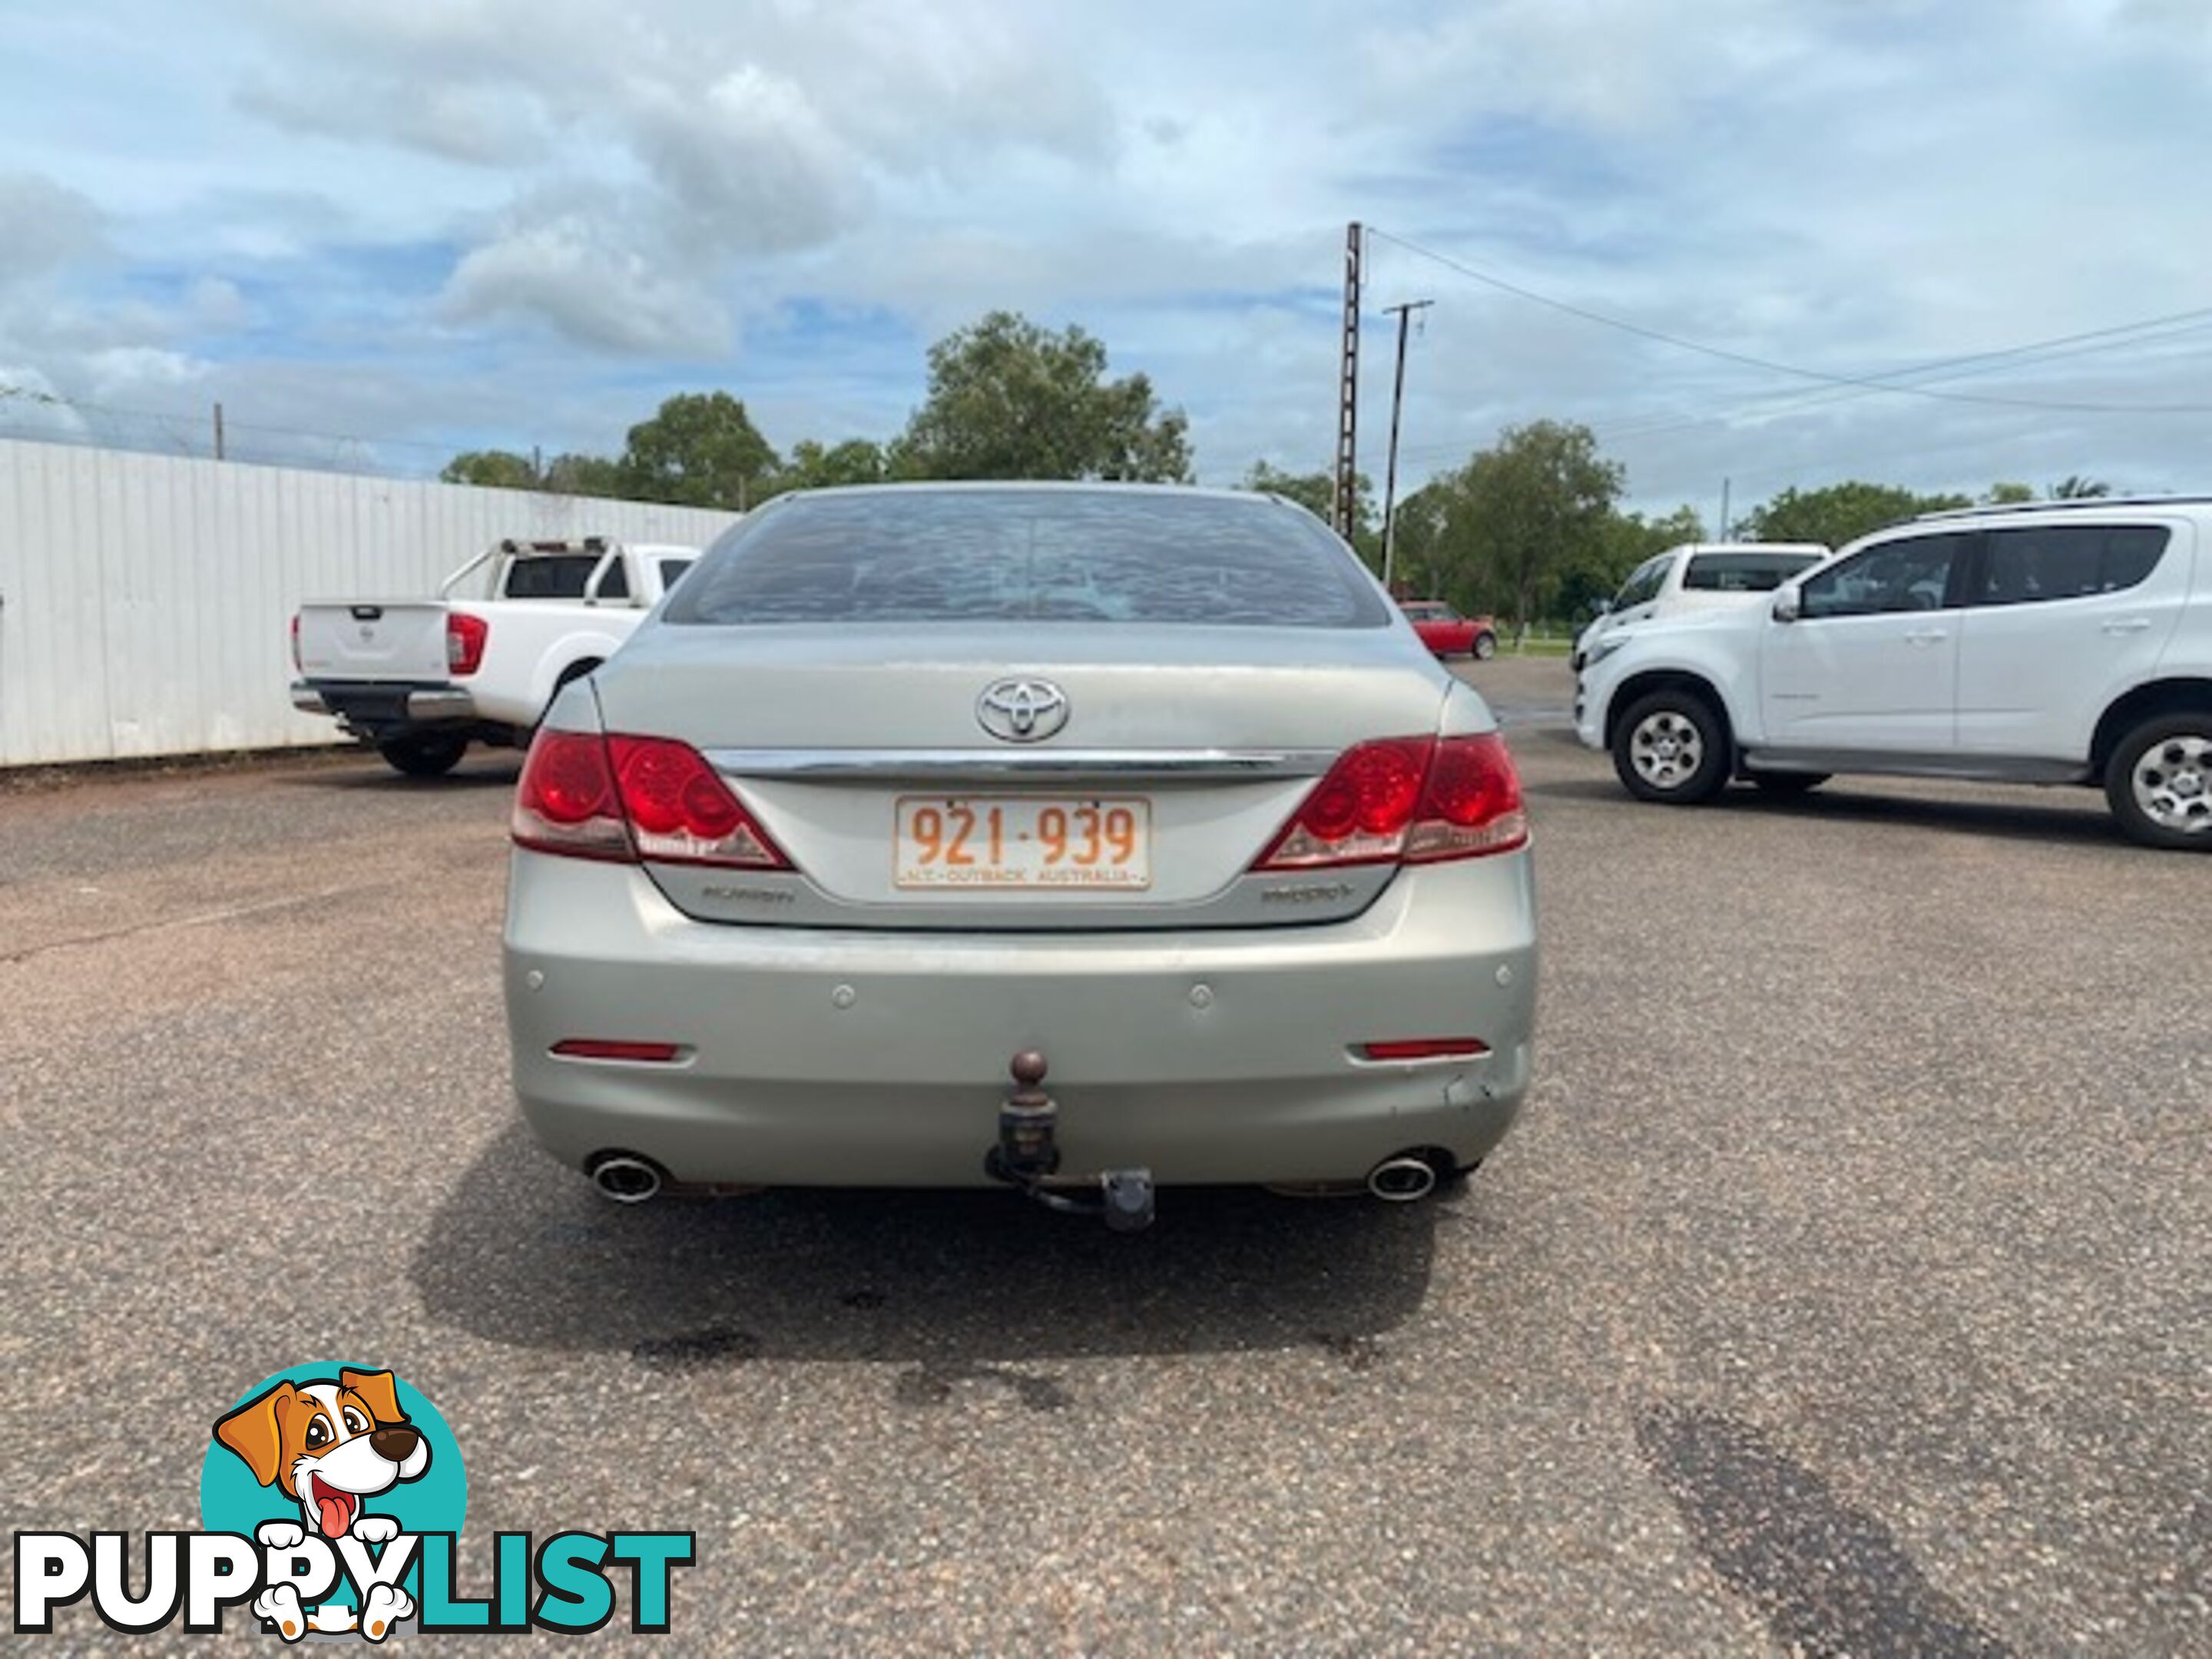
{"x": 1447, "y": 633}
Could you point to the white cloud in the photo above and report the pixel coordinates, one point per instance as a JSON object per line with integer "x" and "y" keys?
{"x": 792, "y": 198}
{"x": 43, "y": 227}
{"x": 592, "y": 285}
{"x": 31, "y": 407}
{"x": 482, "y": 124}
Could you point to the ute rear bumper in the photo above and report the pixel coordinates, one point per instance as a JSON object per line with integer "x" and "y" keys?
{"x": 840, "y": 1057}
{"x": 380, "y": 709}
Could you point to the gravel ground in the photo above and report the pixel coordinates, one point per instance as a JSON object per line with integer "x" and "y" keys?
{"x": 1843, "y": 1290}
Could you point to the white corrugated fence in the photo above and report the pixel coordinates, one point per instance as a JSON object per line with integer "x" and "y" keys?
{"x": 145, "y": 601}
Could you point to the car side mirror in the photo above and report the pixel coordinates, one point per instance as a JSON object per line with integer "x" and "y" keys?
{"x": 1601, "y": 607}
{"x": 1787, "y": 608}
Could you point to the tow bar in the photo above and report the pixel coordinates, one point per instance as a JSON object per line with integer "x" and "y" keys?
{"x": 1027, "y": 1156}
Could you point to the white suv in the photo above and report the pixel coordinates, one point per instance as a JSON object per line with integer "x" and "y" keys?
{"x": 2064, "y": 642}
{"x": 1694, "y": 576}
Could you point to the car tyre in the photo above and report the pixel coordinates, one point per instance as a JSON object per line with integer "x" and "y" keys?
{"x": 1485, "y": 647}
{"x": 423, "y": 758}
{"x": 1790, "y": 783}
{"x": 2159, "y": 781}
{"x": 1672, "y": 747}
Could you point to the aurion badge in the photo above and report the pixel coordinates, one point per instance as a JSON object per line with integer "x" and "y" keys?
{"x": 1022, "y": 710}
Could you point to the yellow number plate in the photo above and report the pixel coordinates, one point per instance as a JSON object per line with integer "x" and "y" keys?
{"x": 1023, "y": 841}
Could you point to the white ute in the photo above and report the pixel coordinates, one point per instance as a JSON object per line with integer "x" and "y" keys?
{"x": 420, "y": 679}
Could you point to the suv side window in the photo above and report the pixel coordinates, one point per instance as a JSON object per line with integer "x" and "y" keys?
{"x": 2042, "y": 563}
{"x": 1912, "y": 573}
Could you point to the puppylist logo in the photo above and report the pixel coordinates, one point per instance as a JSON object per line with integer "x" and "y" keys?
{"x": 331, "y": 1498}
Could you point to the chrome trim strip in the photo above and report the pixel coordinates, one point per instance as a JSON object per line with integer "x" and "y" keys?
{"x": 921, "y": 765}
{"x": 448, "y": 702}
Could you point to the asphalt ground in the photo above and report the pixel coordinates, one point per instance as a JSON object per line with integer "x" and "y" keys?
{"x": 1843, "y": 1290}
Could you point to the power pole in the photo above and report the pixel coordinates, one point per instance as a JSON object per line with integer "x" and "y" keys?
{"x": 1347, "y": 408}
{"x": 1405, "y": 315}
{"x": 218, "y": 432}
{"x": 1724, "y": 535}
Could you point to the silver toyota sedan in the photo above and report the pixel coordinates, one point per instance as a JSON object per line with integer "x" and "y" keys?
{"x": 1081, "y": 838}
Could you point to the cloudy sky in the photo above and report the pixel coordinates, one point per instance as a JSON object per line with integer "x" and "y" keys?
{"x": 380, "y": 230}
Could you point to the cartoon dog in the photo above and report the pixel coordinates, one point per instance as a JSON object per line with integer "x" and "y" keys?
{"x": 329, "y": 1445}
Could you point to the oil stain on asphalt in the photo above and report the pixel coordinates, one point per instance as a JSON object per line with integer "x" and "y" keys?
{"x": 1830, "y": 1580}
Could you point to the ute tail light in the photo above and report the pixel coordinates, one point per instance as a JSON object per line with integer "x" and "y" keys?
{"x": 1407, "y": 800}
{"x": 465, "y": 634}
{"x": 633, "y": 799}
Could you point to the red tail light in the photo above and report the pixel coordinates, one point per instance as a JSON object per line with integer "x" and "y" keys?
{"x": 465, "y": 635}
{"x": 566, "y": 801}
{"x": 1410, "y": 800}
{"x": 295, "y": 642}
{"x": 627, "y": 798}
{"x": 681, "y": 812}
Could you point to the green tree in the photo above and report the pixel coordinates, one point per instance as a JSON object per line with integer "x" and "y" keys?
{"x": 583, "y": 475}
{"x": 811, "y": 466}
{"x": 1420, "y": 567}
{"x": 490, "y": 469}
{"x": 1316, "y": 493}
{"x": 1010, "y": 399}
{"x": 2076, "y": 488}
{"x": 2009, "y": 494}
{"x": 1839, "y": 512}
{"x": 1624, "y": 541}
{"x": 1519, "y": 516}
{"x": 700, "y": 449}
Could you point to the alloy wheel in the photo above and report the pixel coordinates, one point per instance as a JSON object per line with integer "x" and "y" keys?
{"x": 1667, "y": 748}
{"x": 2172, "y": 784}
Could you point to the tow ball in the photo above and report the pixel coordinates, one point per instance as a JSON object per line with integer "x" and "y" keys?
{"x": 1027, "y": 1156}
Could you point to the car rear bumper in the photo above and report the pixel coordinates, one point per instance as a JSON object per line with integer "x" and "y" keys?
{"x": 823, "y": 1058}
{"x": 372, "y": 708}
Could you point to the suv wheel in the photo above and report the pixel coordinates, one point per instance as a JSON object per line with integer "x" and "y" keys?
{"x": 1672, "y": 747}
{"x": 2160, "y": 781}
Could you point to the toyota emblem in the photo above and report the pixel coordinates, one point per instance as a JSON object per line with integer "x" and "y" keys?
{"x": 1022, "y": 710}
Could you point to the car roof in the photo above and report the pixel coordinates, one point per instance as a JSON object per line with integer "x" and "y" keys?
{"x": 2072, "y": 504}
{"x": 1035, "y": 486}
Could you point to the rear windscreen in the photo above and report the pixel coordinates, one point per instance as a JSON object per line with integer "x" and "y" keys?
{"x": 551, "y": 575}
{"x": 1104, "y": 554}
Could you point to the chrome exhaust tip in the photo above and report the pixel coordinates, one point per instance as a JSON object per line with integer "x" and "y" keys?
{"x": 625, "y": 1179}
{"x": 1404, "y": 1179}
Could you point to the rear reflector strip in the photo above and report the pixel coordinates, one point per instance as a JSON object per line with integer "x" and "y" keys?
{"x": 638, "y": 1053}
{"x": 1463, "y": 1047}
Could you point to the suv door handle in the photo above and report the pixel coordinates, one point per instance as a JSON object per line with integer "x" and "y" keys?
{"x": 2127, "y": 625}
{"x": 1927, "y": 636}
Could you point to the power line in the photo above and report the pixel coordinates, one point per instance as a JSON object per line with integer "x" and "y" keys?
{"x": 1869, "y": 383}
{"x": 2032, "y": 355}
{"x": 2152, "y": 331}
